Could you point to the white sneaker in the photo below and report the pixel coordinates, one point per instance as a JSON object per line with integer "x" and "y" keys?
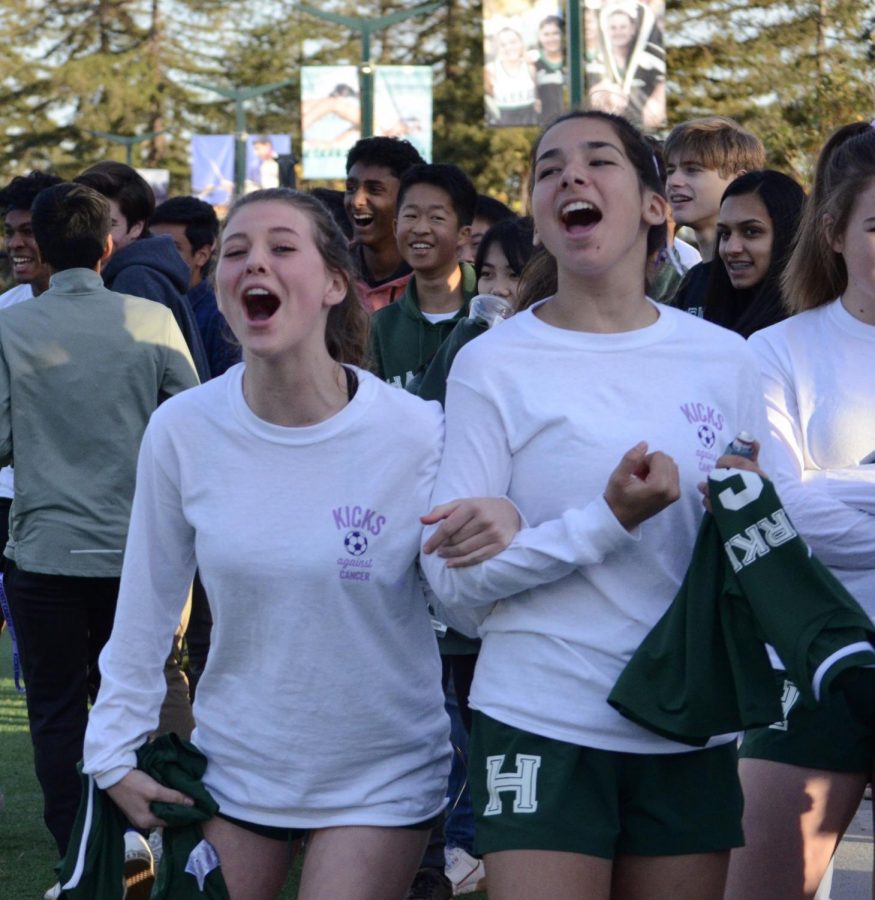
{"x": 53, "y": 892}
{"x": 139, "y": 870}
{"x": 467, "y": 873}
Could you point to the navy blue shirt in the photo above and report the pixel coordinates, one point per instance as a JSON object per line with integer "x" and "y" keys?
{"x": 221, "y": 346}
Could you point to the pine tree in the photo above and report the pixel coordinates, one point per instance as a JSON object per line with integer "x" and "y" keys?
{"x": 791, "y": 72}
{"x": 73, "y": 68}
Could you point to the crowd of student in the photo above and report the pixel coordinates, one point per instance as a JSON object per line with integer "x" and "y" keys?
{"x": 593, "y": 368}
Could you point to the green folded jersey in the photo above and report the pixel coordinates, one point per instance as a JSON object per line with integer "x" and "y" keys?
{"x": 93, "y": 866}
{"x": 703, "y": 670}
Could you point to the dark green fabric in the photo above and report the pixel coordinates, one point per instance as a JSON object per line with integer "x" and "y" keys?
{"x": 102, "y": 876}
{"x": 403, "y": 340}
{"x": 431, "y": 384}
{"x": 176, "y": 764}
{"x": 703, "y": 669}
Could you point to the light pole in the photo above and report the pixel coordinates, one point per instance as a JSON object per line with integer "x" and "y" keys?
{"x": 239, "y": 95}
{"x": 128, "y": 141}
{"x": 365, "y": 28}
{"x": 576, "y": 49}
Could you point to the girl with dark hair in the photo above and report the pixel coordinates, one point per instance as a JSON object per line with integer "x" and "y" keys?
{"x": 320, "y": 708}
{"x": 597, "y": 412}
{"x": 501, "y": 257}
{"x": 804, "y": 777}
{"x": 759, "y": 218}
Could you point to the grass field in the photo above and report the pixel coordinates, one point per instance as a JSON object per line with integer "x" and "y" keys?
{"x": 27, "y": 851}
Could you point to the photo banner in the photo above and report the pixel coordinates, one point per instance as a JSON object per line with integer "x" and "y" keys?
{"x": 403, "y": 105}
{"x": 524, "y": 68}
{"x": 212, "y": 164}
{"x": 624, "y": 59}
{"x": 330, "y": 119}
{"x": 262, "y": 164}
{"x": 212, "y": 168}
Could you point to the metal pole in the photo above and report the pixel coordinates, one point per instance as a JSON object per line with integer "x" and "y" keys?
{"x": 576, "y": 49}
{"x": 127, "y": 140}
{"x": 366, "y": 84}
{"x": 239, "y": 145}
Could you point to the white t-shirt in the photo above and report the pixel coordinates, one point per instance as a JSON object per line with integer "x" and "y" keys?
{"x": 687, "y": 253}
{"x": 10, "y": 298}
{"x": 817, "y": 374}
{"x": 543, "y": 415}
{"x": 321, "y": 701}
{"x": 434, "y": 318}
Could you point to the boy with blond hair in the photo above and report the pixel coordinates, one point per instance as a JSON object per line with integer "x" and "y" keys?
{"x": 702, "y": 157}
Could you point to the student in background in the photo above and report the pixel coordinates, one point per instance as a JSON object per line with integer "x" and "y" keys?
{"x": 31, "y": 274}
{"x": 488, "y": 212}
{"x": 433, "y": 219}
{"x": 374, "y": 167}
{"x": 194, "y": 227}
{"x": 144, "y": 264}
{"x": 759, "y": 218}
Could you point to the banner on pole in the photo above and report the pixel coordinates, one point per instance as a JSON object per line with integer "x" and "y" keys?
{"x": 524, "y": 53}
{"x": 403, "y": 105}
{"x": 212, "y": 168}
{"x": 212, "y": 164}
{"x": 330, "y": 118}
{"x": 624, "y": 59}
{"x": 262, "y": 160}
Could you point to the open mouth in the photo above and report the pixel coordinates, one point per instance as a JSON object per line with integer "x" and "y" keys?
{"x": 260, "y": 304}
{"x": 679, "y": 198}
{"x": 362, "y": 220}
{"x": 22, "y": 260}
{"x": 579, "y": 215}
{"x": 420, "y": 245}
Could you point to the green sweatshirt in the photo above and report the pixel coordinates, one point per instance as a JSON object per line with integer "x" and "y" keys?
{"x": 403, "y": 340}
{"x": 703, "y": 669}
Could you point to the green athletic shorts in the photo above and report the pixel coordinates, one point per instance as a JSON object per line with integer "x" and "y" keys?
{"x": 827, "y": 737}
{"x": 535, "y": 793}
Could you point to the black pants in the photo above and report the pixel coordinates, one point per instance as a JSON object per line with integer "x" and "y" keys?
{"x": 61, "y": 623}
{"x": 5, "y": 505}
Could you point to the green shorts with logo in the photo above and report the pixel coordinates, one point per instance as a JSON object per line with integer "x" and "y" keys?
{"x": 535, "y": 793}
{"x": 827, "y": 737}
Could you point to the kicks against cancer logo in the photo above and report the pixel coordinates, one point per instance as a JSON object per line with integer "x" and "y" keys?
{"x": 359, "y": 525}
{"x": 356, "y": 543}
{"x": 709, "y": 424}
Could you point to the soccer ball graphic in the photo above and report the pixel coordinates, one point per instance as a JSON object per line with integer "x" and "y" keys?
{"x": 355, "y": 542}
{"x": 706, "y": 436}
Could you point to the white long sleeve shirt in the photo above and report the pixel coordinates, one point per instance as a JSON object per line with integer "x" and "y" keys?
{"x": 817, "y": 370}
{"x": 321, "y": 701}
{"x": 543, "y": 415}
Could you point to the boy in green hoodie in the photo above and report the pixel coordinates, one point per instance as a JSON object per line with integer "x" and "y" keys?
{"x": 434, "y": 211}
